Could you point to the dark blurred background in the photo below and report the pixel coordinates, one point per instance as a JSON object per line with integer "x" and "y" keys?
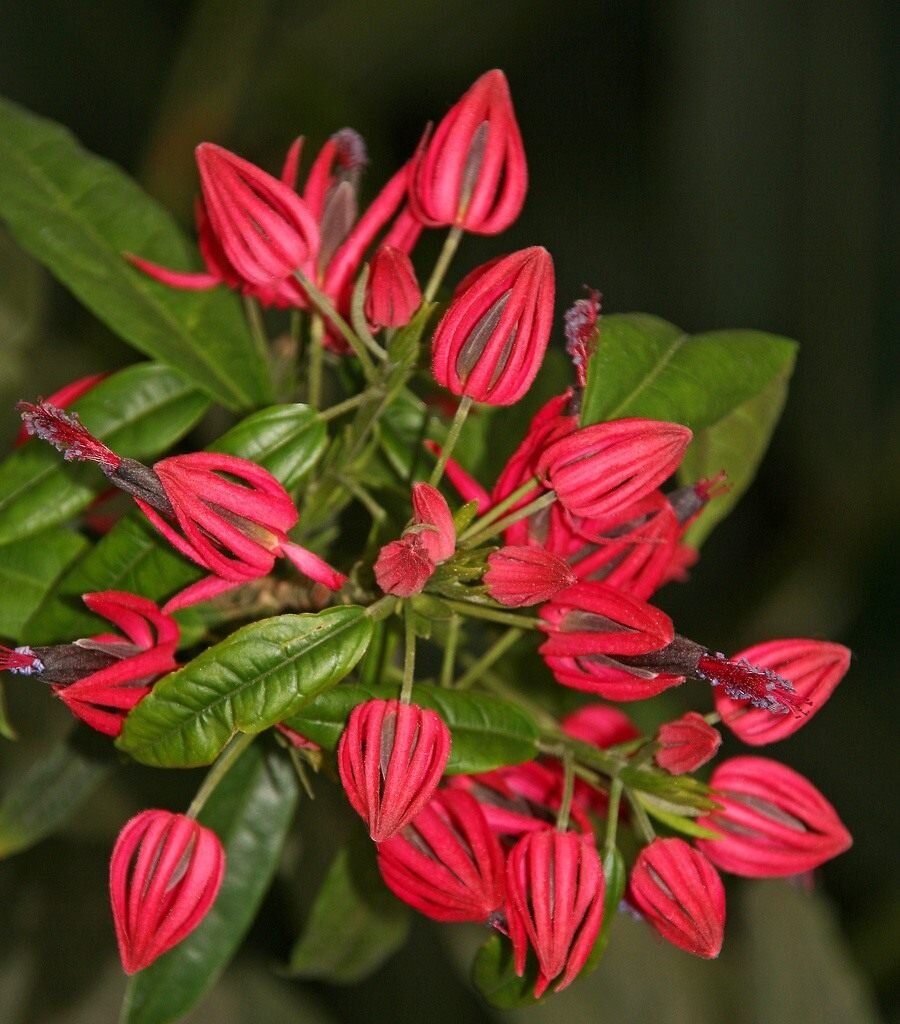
{"x": 717, "y": 162}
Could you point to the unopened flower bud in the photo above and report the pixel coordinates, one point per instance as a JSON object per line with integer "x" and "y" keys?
{"x": 522, "y": 575}
{"x": 471, "y": 172}
{"x": 686, "y": 744}
{"x": 392, "y": 292}
{"x": 491, "y": 341}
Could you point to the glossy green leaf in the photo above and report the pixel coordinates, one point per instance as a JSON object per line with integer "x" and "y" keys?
{"x": 737, "y": 444}
{"x": 28, "y": 569}
{"x": 288, "y": 440}
{"x": 48, "y": 794}
{"x": 494, "y": 975}
{"x": 77, "y": 214}
{"x": 727, "y": 386}
{"x": 250, "y": 811}
{"x": 139, "y": 412}
{"x": 487, "y": 731}
{"x": 355, "y": 923}
{"x": 258, "y": 676}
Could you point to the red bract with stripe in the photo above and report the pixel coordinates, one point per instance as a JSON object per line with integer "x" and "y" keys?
{"x": 164, "y": 875}
{"x": 600, "y": 470}
{"x": 471, "y": 172}
{"x": 554, "y": 888}
{"x": 681, "y": 895}
{"x": 491, "y": 341}
{"x": 773, "y": 821}
{"x": 447, "y": 863}
{"x": 391, "y": 757}
{"x": 813, "y": 667}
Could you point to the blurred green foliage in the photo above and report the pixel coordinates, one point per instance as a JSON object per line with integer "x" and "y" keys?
{"x": 717, "y": 164}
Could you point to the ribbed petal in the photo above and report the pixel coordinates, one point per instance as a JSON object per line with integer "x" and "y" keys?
{"x": 681, "y": 895}
{"x": 814, "y": 667}
{"x": 165, "y": 873}
{"x": 773, "y": 821}
{"x": 431, "y": 509}
{"x": 391, "y": 758}
{"x": 523, "y": 575}
{"x": 686, "y": 744}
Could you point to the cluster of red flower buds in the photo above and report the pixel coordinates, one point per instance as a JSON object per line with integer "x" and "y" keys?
{"x": 588, "y": 535}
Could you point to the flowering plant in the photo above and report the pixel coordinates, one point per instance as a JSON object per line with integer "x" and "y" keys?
{"x": 389, "y": 654}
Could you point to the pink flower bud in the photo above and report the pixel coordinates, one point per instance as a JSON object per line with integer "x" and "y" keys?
{"x": 264, "y": 228}
{"x": 447, "y": 863}
{"x": 593, "y": 630}
{"x": 524, "y": 575}
{"x": 403, "y": 567}
{"x": 391, "y": 758}
{"x": 773, "y": 821}
{"x": 392, "y": 293}
{"x": 681, "y": 895}
{"x": 600, "y": 470}
{"x": 812, "y": 666}
{"x": 471, "y": 172}
{"x": 555, "y": 888}
{"x": 490, "y": 343}
{"x": 102, "y": 678}
{"x": 431, "y": 509}
{"x": 686, "y": 744}
{"x": 164, "y": 875}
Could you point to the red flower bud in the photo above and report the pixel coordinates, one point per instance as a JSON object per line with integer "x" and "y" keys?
{"x": 471, "y": 172}
{"x": 447, "y": 863}
{"x": 773, "y": 821}
{"x": 526, "y": 575}
{"x": 403, "y": 567}
{"x": 812, "y": 666}
{"x": 164, "y": 875}
{"x": 391, "y": 758}
{"x": 599, "y": 471}
{"x": 392, "y": 293}
{"x": 264, "y": 228}
{"x": 555, "y": 888}
{"x": 431, "y": 509}
{"x": 686, "y": 744}
{"x": 491, "y": 341}
{"x": 680, "y": 893}
{"x": 589, "y": 625}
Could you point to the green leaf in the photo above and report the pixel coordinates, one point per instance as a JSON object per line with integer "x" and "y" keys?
{"x": 28, "y": 569}
{"x": 49, "y": 793}
{"x": 139, "y": 412}
{"x": 727, "y": 386}
{"x": 250, "y": 811}
{"x": 494, "y": 975}
{"x": 287, "y": 440}
{"x": 487, "y": 731}
{"x": 77, "y": 214}
{"x": 614, "y": 878}
{"x": 737, "y": 444}
{"x": 355, "y": 923}
{"x": 6, "y": 727}
{"x": 258, "y": 676}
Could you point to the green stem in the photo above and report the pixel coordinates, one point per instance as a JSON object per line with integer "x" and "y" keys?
{"x": 316, "y": 340}
{"x": 562, "y": 817}
{"x": 382, "y": 608}
{"x": 359, "y": 492}
{"x": 496, "y": 511}
{"x": 612, "y": 815}
{"x": 409, "y": 654}
{"x": 358, "y": 315}
{"x": 333, "y": 411}
{"x": 448, "y": 662}
{"x": 492, "y": 654}
{"x": 642, "y": 823}
{"x": 459, "y": 418}
{"x": 257, "y": 327}
{"x": 478, "y": 611}
{"x": 474, "y": 539}
{"x": 545, "y": 720}
{"x": 233, "y": 750}
{"x": 323, "y": 304}
{"x": 451, "y": 243}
